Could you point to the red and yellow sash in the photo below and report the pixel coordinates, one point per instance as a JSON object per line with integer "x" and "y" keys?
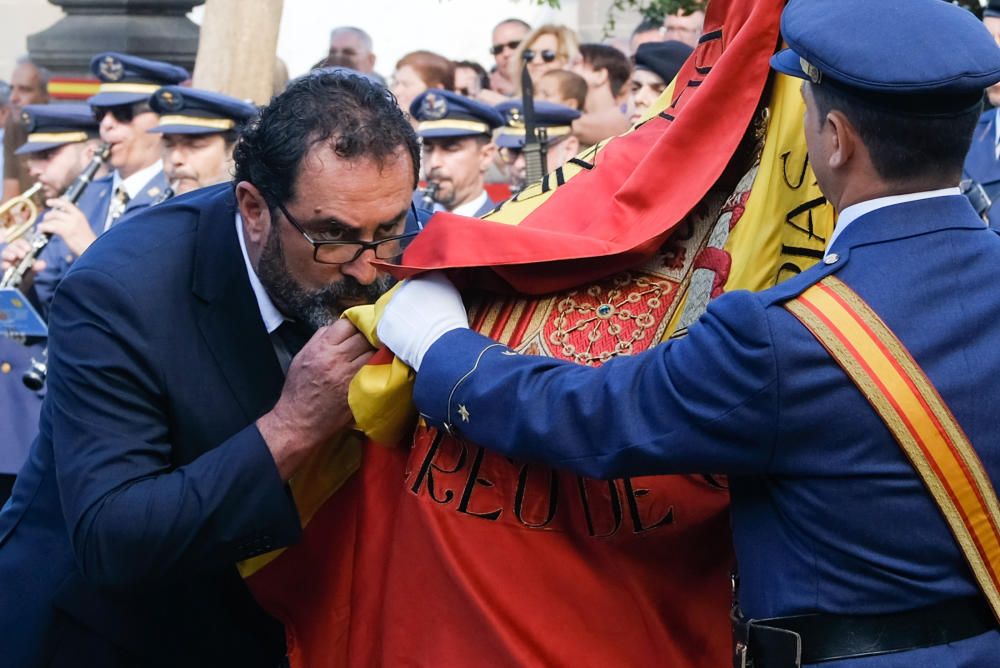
{"x": 899, "y": 390}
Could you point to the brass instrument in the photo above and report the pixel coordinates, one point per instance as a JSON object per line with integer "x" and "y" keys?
{"x": 18, "y": 214}
{"x": 427, "y": 197}
{"x": 15, "y": 274}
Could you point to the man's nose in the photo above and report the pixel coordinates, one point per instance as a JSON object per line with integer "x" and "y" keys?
{"x": 362, "y": 270}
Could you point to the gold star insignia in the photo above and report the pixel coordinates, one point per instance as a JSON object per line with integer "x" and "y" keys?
{"x": 463, "y": 412}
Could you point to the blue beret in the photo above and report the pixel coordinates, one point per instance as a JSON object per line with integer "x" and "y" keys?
{"x": 441, "y": 113}
{"x": 557, "y": 119}
{"x": 57, "y": 124}
{"x": 923, "y": 57}
{"x": 128, "y": 79}
{"x": 192, "y": 111}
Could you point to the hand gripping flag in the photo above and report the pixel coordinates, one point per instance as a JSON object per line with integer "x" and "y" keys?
{"x": 436, "y": 552}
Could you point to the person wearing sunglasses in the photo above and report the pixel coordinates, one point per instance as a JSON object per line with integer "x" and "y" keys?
{"x": 557, "y": 121}
{"x": 121, "y": 106}
{"x": 507, "y": 36}
{"x": 546, "y": 48}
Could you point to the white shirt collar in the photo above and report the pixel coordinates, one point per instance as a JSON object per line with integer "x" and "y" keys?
{"x": 268, "y": 311}
{"x": 472, "y": 206}
{"x": 855, "y": 211}
{"x": 134, "y": 184}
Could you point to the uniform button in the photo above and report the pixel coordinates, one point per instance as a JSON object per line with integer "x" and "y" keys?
{"x": 832, "y": 258}
{"x": 5, "y": 367}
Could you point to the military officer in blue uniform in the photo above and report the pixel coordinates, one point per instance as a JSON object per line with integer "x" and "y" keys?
{"x": 982, "y": 165}
{"x": 830, "y": 519}
{"x": 199, "y": 129}
{"x": 557, "y": 119}
{"x": 456, "y": 133}
{"x": 61, "y": 141}
{"x": 122, "y": 105}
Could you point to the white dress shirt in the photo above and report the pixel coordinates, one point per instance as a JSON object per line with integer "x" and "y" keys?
{"x": 268, "y": 311}
{"x": 471, "y": 207}
{"x": 133, "y": 185}
{"x": 855, "y": 211}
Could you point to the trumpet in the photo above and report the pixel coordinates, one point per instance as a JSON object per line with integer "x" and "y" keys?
{"x": 18, "y": 214}
{"x": 15, "y": 274}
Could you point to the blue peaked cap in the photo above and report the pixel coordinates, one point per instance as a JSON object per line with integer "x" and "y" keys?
{"x": 192, "y": 111}
{"x": 129, "y": 79}
{"x": 557, "y": 119}
{"x": 915, "y": 56}
{"x": 441, "y": 113}
{"x": 56, "y": 124}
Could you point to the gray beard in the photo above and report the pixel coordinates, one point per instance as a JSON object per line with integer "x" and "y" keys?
{"x": 317, "y": 308}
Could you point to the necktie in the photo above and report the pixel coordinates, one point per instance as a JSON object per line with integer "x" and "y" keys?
{"x": 289, "y": 338}
{"x": 119, "y": 200}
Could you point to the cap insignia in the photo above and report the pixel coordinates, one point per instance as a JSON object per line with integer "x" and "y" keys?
{"x": 170, "y": 101}
{"x": 26, "y": 120}
{"x": 515, "y": 118}
{"x": 111, "y": 68}
{"x": 811, "y": 70}
{"x": 433, "y": 107}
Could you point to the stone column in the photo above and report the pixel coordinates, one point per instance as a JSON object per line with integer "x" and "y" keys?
{"x": 156, "y": 29}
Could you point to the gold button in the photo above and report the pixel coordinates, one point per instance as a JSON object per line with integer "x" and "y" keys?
{"x": 832, "y": 258}
{"x": 5, "y": 367}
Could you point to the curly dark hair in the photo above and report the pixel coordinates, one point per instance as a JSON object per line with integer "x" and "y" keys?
{"x": 354, "y": 116}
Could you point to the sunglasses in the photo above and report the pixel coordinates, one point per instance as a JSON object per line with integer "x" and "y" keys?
{"x": 497, "y": 49}
{"x": 123, "y": 113}
{"x": 548, "y": 55}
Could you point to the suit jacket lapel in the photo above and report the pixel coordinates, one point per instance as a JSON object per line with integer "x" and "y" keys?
{"x": 228, "y": 315}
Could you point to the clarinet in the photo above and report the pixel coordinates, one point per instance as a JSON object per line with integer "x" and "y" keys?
{"x": 12, "y": 277}
{"x": 427, "y": 198}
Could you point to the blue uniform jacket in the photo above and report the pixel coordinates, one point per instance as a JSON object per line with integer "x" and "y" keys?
{"x": 149, "y": 480}
{"x": 94, "y": 204}
{"x": 981, "y": 164}
{"x": 828, "y": 514}
{"x": 19, "y": 406}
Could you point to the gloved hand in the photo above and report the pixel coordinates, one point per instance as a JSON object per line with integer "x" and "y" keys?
{"x": 421, "y": 311}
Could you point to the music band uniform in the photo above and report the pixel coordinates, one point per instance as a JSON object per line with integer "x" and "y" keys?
{"x": 982, "y": 164}
{"x": 48, "y": 126}
{"x": 149, "y": 479}
{"x": 828, "y": 514}
{"x": 441, "y": 114}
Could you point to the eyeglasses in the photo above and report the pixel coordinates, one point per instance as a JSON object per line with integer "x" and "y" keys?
{"x": 548, "y": 55}
{"x": 497, "y": 49}
{"x": 345, "y": 252}
{"x": 123, "y": 113}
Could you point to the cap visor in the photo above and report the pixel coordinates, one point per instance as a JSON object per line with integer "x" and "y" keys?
{"x": 38, "y": 147}
{"x": 788, "y": 62}
{"x": 448, "y": 132}
{"x": 116, "y": 99}
{"x": 509, "y": 141}
{"x": 178, "y": 129}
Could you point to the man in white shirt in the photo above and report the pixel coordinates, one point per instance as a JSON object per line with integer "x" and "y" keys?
{"x": 458, "y": 149}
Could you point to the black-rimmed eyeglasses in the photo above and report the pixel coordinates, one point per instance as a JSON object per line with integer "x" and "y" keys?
{"x": 123, "y": 113}
{"x": 345, "y": 252}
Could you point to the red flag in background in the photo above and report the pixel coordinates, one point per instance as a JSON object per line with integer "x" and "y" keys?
{"x": 440, "y": 553}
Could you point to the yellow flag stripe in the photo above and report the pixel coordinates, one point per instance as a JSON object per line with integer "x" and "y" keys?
{"x": 917, "y": 416}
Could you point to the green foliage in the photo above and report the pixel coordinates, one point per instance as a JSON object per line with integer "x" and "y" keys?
{"x": 653, "y": 10}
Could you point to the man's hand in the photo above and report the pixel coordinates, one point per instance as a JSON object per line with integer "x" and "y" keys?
{"x": 313, "y": 404}
{"x": 14, "y": 252}
{"x": 67, "y": 221}
{"x": 419, "y": 313}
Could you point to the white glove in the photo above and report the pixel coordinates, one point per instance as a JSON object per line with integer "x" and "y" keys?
{"x": 421, "y": 311}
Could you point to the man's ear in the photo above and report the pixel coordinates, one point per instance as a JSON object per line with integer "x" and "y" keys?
{"x": 487, "y": 154}
{"x": 256, "y": 216}
{"x": 843, "y": 139}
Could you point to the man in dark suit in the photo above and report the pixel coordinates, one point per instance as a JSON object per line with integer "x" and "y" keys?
{"x": 170, "y": 426}
{"x": 846, "y": 549}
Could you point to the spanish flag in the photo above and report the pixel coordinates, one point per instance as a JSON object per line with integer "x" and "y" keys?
{"x": 422, "y": 549}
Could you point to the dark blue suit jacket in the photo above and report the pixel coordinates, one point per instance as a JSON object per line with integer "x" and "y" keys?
{"x": 94, "y": 204}
{"x": 149, "y": 479}
{"x": 828, "y": 514}
{"x": 981, "y": 164}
